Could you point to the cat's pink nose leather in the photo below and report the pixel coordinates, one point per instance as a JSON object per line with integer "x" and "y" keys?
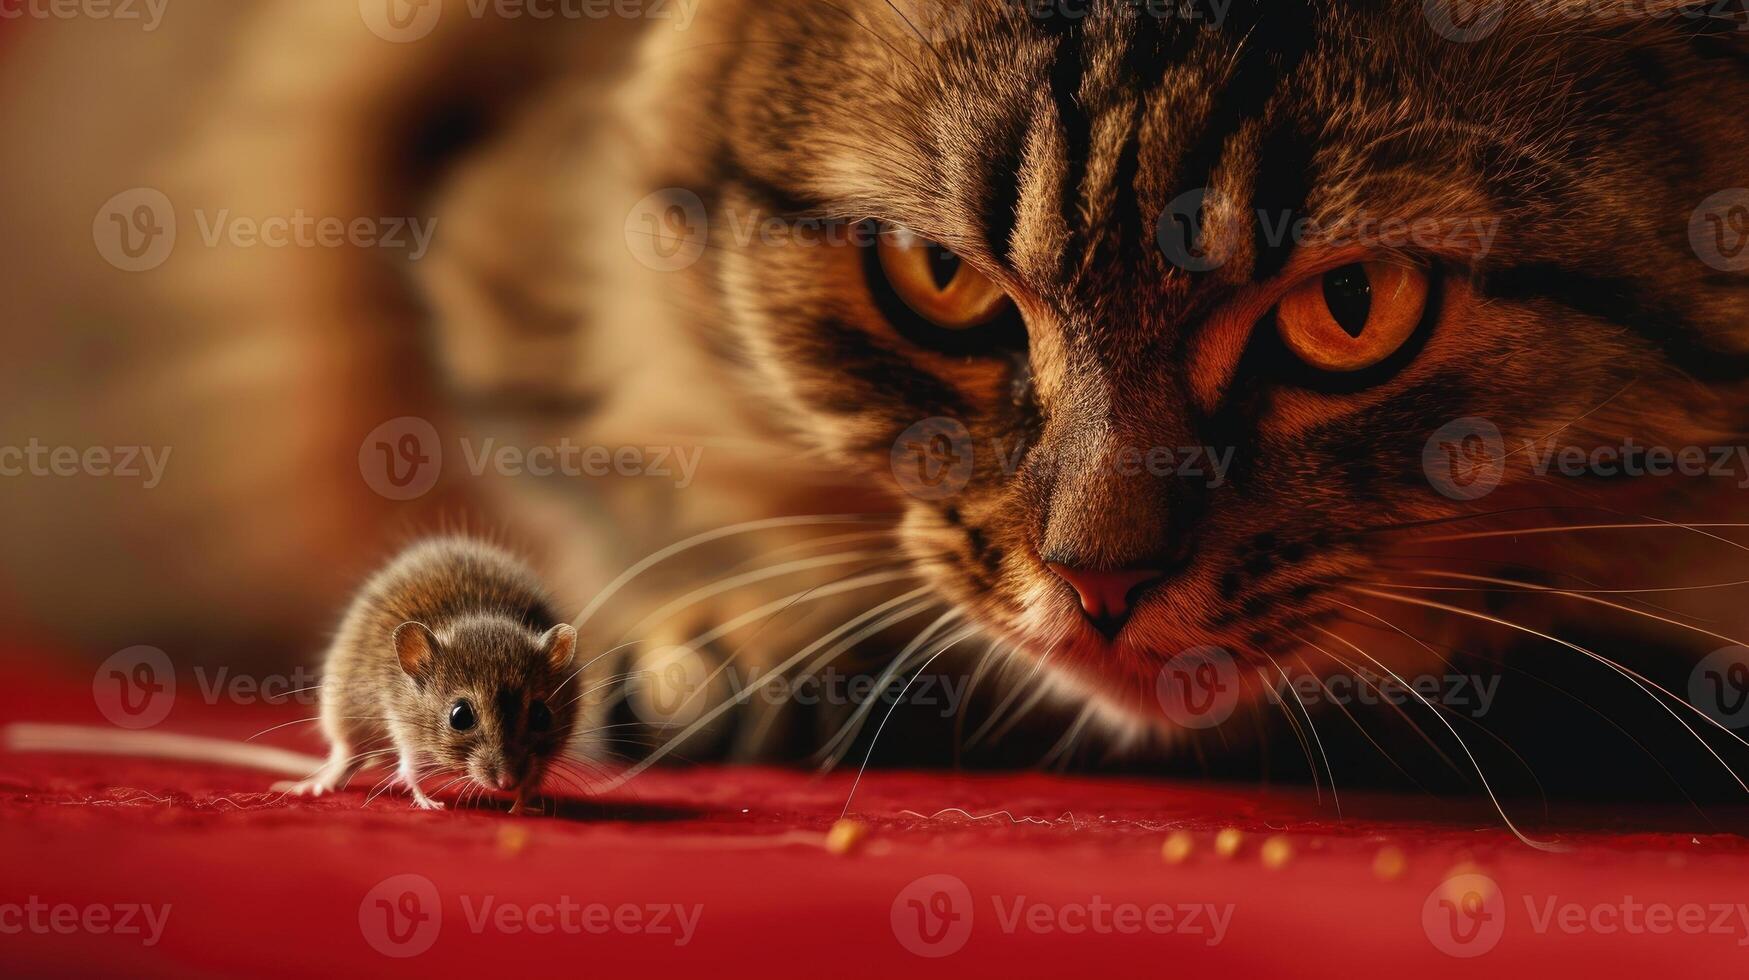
{"x": 1105, "y": 593}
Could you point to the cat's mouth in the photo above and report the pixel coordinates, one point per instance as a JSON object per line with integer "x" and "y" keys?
{"x": 1153, "y": 655}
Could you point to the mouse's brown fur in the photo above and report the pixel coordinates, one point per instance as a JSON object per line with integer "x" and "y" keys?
{"x": 452, "y": 659}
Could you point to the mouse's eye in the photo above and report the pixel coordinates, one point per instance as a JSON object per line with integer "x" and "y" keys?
{"x": 461, "y": 716}
{"x": 540, "y": 718}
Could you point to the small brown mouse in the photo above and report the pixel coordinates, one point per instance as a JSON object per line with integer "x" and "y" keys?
{"x": 451, "y": 659}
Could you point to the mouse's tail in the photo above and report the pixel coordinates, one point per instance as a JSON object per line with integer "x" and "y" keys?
{"x": 76, "y": 739}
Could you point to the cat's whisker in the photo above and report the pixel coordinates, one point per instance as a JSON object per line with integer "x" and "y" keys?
{"x": 1362, "y": 729}
{"x": 1704, "y": 587}
{"x": 697, "y": 540}
{"x": 1519, "y": 587}
{"x": 749, "y": 578}
{"x": 1064, "y": 747}
{"x": 853, "y": 726}
{"x": 1293, "y": 724}
{"x": 849, "y": 643}
{"x": 1008, "y": 699}
{"x": 831, "y": 540}
{"x": 1545, "y": 682}
{"x": 979, "y": 670}
{"x": 1316, "y": 739}
{"x": 1480, "y": 774}
{"x": 770, "y": 608}
{"x": 1414, "y": 725}
{"x": 607, "y": 682}
{"x": 1024, "y": 710}
{"x": 1644, "y": 683}
{"x": 1574, "y": 528}
{"x": 591, "y": 662}
{"x": 768, "y": 614}
{"x": 841, "y": 742}
{"x": 1402, "y": 563}
{"x": 851, "y": 796}
{"x": 1479, "y": 515}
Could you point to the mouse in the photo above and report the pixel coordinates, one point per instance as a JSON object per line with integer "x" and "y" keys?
{"x": 451, "y": 660}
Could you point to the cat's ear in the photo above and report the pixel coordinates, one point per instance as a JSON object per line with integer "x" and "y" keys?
{"x": 559, "y": 644}
{"x": 416, "y": 646}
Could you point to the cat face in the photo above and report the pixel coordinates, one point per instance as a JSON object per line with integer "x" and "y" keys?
{"x": 1161, "y": 323}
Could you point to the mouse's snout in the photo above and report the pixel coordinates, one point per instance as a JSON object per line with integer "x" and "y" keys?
{"x": 494, "y": 772}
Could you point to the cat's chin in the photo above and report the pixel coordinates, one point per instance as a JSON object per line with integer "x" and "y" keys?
{"x": 1136, "y": 694}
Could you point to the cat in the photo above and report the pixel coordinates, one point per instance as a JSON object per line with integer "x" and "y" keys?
{"x": 1153, "y": 353}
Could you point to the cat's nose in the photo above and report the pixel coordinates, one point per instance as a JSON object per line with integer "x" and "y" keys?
{"x": 1106, "y": 593}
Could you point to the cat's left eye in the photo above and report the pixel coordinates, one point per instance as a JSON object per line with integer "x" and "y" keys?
{"x": 1354, "y": 317}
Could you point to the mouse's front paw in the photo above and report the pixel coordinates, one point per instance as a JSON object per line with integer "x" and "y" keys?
{"x": 426, "y": 803}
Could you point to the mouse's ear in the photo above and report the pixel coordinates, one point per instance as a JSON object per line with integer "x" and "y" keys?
{"x": 416, "y": 645}
{"x": 559, "y": 644}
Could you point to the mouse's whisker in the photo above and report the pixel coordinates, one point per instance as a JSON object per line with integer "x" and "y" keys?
{"x": 277, "y": 698}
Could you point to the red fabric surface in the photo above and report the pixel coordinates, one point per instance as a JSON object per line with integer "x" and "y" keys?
{"x": 262, "y": 885}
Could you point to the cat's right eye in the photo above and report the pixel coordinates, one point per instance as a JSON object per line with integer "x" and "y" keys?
{"x": 936, "y": 299}
{"x": 936, "y": 283}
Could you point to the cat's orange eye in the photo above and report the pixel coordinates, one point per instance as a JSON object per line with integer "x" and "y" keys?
{"x": 935, "y": 283}
{"x": 1352, "y": 318}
